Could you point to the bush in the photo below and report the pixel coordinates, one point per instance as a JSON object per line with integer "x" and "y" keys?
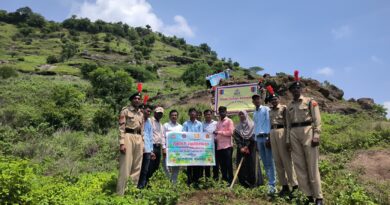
{"x": 7, "y": 72}
{"x": 112, "y": 87}
{"x": 52, "y": 59}
{"x": 15, "y": 181}
{"x": 86, "y": 68}
{"x": 140, "y": 74}
{"x": 103, "y": 120}
{"x": 196, "y": 74}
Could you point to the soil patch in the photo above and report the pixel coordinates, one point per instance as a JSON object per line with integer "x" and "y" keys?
{"x": 218, "y": 198}
{"x": 373, "y": 164}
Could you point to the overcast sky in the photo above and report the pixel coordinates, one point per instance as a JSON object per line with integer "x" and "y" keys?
{"x": 344, "y": 42}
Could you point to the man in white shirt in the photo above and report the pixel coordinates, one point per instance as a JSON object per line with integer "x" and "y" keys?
{"x": 209, "y": 126}
{"x": 171, "y": 126}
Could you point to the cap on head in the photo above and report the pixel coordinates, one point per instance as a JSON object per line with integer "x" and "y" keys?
{"x": 271, "y": 93}
{"x": 159, "y": 109}
{"x": 297, "y": 82}
{"x": 134, "y": 95}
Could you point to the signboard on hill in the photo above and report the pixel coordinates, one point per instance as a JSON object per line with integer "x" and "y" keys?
{"x": 235, "y": 97}
{"x": 190, "y": 149}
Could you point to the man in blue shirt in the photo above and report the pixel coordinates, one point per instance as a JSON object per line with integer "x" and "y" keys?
{"x": 194, "y": 173}
{"x": 262, "y": 133}
{"x": 148, "y": 149}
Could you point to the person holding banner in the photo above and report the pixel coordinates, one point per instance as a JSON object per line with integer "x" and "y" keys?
{"x": 194, "y": 173}
{"x": 224, "y": 132}
{"x": 249, "y": 175}
{"x": 209, "y": 126}
{"x": 171, "y": 126}
{"x": 148, "y": 148}
{"x": 158, "y": 140}
{"x": 131, "y": 143}
{"x": 262, "y": 130}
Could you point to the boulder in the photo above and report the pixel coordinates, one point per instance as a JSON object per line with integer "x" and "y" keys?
{"x": 366, "y": 103}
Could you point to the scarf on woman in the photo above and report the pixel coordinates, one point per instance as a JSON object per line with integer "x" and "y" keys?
{"x": 245, "y": 128}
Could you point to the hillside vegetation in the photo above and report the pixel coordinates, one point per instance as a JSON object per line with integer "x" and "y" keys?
{"x": 63, "y": 84}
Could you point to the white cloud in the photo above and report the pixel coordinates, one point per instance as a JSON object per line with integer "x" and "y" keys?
{"x": 376, "y": 59}
{"x": 341, "y": 32}
{"x": 134, "y": 13}
{"x": 326, "y": 71}
{"x": 387, "y": 106}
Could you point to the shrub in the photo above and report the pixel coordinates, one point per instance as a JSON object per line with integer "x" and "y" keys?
{"x": 7, "y": 72}
{"x": 112, "y": 87}
{"x": 86, "y": 68}
{"x": 140, "y": 74}
{"x": 103, "y": 120}
{"x": 51, "y": 59}
{"x": 196, "y": 74}
{"x": 15, "y": 181}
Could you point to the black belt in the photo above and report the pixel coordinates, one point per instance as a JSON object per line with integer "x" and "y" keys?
{"x": 262, "y": 135}
{"x": 301, "y": 124}
{"x": 132, "y": 131}
{"x": 277, "y": 126}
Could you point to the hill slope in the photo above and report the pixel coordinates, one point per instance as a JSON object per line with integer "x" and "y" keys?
{"x": 62, "y": 84}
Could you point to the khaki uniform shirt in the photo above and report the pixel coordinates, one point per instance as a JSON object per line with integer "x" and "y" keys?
{"x": 278, "y": 115}
{"x": 304, "y": 110}
{"x": 130, "y": 118}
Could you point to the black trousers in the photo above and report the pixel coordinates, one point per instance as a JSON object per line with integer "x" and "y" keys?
{"x": 143, "y": 178}
{"x": 194, "y": 173}
{"x": 224, "y": 158}
{"x": 154, "y": 164}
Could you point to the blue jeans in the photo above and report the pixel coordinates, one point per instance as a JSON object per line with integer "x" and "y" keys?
{"x": 268, "y": 161}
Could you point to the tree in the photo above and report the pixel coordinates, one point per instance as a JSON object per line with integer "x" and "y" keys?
{"x": 205, "y": 48}
{"x": 113, "y": 87}
{"x": 196, "y": 74}
{"x": 69, "y": 49}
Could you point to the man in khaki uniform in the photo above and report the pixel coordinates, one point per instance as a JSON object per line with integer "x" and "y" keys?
{"x": 282, "y": 156}
{"x": 303, "y": 135}
{"x": 131, "y": 143}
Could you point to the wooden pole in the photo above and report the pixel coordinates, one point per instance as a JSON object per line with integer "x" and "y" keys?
{"x": 238, "y": 170}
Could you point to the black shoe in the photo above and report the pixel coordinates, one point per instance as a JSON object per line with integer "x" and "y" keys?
{"x": 293, "y": 191}
{"x": 309, "y": 200}
{"x": 285, "y": 191}
{"x": 319, "y": 202}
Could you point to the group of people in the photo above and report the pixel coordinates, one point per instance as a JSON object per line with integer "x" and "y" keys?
{"x": 286, "y": 138}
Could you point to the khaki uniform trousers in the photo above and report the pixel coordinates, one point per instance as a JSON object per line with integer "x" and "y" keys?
{"x": 282, "y": 158}
{"x": 130, "y": 162}
{"x": 305, "y": 158}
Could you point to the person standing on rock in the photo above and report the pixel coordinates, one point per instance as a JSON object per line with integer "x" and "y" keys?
{"x": 282, "y": 156}
{"x": 131, "y": 143}
{"x": 262, "y": 130}
{"x": 303, "y": 136}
